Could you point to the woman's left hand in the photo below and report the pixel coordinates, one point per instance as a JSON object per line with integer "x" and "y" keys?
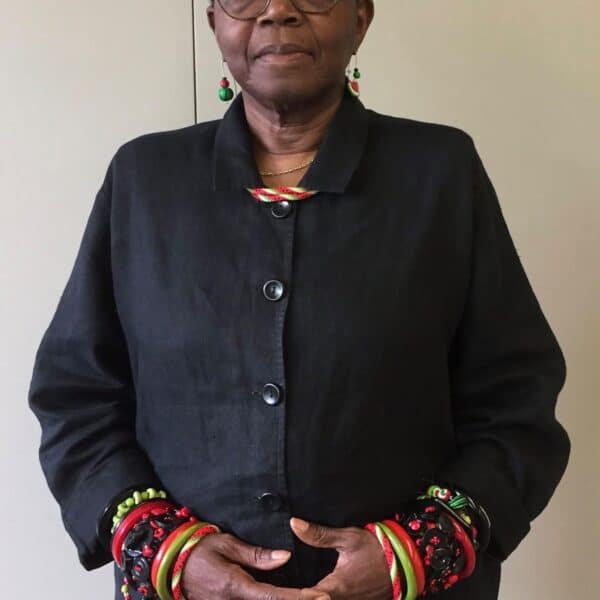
{"x": 361, "y": 570}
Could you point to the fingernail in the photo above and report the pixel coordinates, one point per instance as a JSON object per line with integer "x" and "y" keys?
{"x": 277, "y": 554}
{"x": 300, "y": 525}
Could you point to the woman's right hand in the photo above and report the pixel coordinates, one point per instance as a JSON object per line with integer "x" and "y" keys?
{"x": 214, "y": 569}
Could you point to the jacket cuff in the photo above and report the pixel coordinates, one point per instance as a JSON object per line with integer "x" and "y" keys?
{"x": 81, "y": 515}
{"x": 476, "y": 474}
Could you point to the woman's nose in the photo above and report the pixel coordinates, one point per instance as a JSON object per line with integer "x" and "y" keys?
{"x": 282, "y": 12}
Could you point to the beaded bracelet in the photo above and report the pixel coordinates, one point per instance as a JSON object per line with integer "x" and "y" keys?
{"x": 471, "y": 515}
{"x": 434, "y": 533}
{"x": 104, "y": 523}
{"x": 136, "y": 498}
{"x": 434, "y": 541}
{"x": 148, "y": 534}
{"x": 150, "y": 508}
{"x": 468, "y": 548}
{"x": 143, "y": 542}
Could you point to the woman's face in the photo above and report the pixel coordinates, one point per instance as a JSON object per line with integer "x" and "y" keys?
{"x": 277, "y": 77}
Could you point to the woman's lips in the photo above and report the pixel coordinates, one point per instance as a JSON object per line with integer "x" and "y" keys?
{"x": 286, "y": 57}
{"x": 283, "y": 53}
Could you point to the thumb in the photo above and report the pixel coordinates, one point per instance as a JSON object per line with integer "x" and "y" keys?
{"x": 318, "y": 535}
{"x": 257, "y": 557}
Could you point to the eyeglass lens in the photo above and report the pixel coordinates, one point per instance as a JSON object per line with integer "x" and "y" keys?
{"x": 249, "y": 9}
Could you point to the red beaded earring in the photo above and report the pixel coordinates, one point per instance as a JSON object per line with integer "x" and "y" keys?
{"x": 353, "y": 85}
{"x": 225, "y": 91}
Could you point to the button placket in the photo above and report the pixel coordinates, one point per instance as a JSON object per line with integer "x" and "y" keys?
{"x": 276, "y": 291}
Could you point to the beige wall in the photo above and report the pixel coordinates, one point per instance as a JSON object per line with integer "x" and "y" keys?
{"x": 78, "y": 79}
{"x": 520, "y": 77}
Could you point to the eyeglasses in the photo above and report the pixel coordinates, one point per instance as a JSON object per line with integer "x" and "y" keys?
{"x": 250, "y": 9}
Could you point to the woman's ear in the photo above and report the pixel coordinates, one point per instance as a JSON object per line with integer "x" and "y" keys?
{"x": 365, "y": 11}
{"x": 210, "y": 16}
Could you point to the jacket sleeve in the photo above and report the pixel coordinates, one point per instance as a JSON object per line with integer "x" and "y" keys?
{"x": 82, "y": 393}
{"x": 506, "y": 371}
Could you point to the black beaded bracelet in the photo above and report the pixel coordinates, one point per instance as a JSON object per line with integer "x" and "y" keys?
{"x": 470, "y": 514}
{"x": 442, "y": 553}
{"x": 141, "y": 545}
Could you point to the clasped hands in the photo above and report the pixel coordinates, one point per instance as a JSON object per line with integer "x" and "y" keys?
{"x": 215, "y": 567}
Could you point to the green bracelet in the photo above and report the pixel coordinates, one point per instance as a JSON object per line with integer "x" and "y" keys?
{"x": 132, "y": 501}
{"x": 409, "y": 572}
{"x": 162, "y": 575}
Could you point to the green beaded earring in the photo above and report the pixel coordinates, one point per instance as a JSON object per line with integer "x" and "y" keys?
{"x": 225, "y": 92}
{"x": 353, "y": 83}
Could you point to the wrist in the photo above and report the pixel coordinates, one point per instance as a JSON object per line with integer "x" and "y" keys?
{"x": 149, "y": 536}
{"x": 435, "y": 541}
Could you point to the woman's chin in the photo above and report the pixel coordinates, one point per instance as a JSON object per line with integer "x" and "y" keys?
{"x": 284, "y": 93}
{"x": 288, "y": 91}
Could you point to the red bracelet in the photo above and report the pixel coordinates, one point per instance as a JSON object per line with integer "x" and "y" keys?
{"x": 465, "y": 541}
{"x": 390, "y": 556}
{"x": 129, "y": 521}
{"x": 164, "y": 547}
{"x": 185, "y": 554}
{"x": 412, "y": 551}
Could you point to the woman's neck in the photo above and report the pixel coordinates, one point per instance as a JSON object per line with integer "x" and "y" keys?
{"x": 289, "y": 132}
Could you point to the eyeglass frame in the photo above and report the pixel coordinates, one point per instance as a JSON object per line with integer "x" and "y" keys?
{"x": 268, "y": 3}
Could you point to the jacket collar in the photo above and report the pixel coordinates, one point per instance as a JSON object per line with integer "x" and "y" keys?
{"x": 337, "y": 158}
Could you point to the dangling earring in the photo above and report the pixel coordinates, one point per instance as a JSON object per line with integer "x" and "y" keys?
{"x": 353, "y": 85}
{"x": 225, "y": 92}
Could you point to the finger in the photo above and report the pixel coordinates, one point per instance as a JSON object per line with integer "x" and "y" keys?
{"x": 258, "y": 557}
{"x": 254, "y": 590}
{"x": 321, "y": 536}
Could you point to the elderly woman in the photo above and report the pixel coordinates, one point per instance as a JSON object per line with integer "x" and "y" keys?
{"x": 298, "y": 355}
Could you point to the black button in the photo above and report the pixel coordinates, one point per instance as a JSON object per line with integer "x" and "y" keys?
{"x": 270, "y": 500}
{"x": 271, "y": 394}
{"x": 273, "y": 289}
{"x": 281, "y": 209}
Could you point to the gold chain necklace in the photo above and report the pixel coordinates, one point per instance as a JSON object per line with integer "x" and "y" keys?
{"x": 271, "y": 173}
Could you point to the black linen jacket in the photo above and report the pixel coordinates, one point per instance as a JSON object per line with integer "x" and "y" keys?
{"x": 404, "y": 342}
